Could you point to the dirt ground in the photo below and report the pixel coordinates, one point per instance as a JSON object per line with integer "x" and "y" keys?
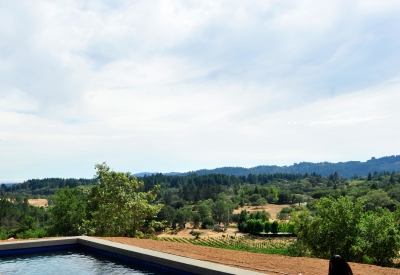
{"x": 185, "y": 233}
{"x": 263, "y": 263}
{"x": 273, "y": 209}
{"x": 38, "y": 202}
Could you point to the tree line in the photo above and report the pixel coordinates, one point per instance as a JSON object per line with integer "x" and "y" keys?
{"x": 119, "y": 204}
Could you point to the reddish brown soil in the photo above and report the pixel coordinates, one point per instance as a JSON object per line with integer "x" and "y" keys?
{"x": 263, "y": 263}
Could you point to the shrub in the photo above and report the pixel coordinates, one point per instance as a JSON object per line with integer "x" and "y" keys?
{"x": 296, "y": 249}
{"x": 38, "y": 233}
{"x": 207, "y": 222}
{"x": 291, "y": 228}
{"x": 274, "y": 227}
{"x": 267, "y": 226}
{"x": 243, "y": 227}
{"x": 196, "y": 234}
{"x": 3, "y": 234}
{"x": 283, "y": 227}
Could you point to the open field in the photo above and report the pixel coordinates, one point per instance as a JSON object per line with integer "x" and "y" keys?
{"x": 185, "y": 233}
{"x": 38, "y": 202}
{"x": 273, "y": 209}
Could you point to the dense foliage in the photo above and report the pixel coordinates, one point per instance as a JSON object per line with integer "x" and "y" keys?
{"x": 113, "y": 207}
{"x": 341, "y": 226}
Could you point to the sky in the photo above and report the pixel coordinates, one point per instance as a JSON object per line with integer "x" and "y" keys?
{"x": 176, "y": 86}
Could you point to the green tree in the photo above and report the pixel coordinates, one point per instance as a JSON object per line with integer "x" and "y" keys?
{"x": 118, "y": 208}
{"x": 260, "y": 202}
{"x": 207, "y": 222}
{"x": 341, "y": 227}
{"x": 377, "y": 198}
{"x": 182, "y": 216}
{"x": 297, "y": 199}
{"x": 69, "y": 212}
{"x": 203, "y": 210}
{"x": 394, "y": 193}
{"x": 379, "y": 240}
{"x": 274, "y": 227}
{"x": 166, "y": 214}
{"x": 267, "y": 226}
{"x": 333, "y": 230}
{"x": 220, "y": 211}
{"x": 196, "y": 219}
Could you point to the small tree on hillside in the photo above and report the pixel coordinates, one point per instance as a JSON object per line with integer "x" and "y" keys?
{"x": 117, "y": 206}
{"x": 275, "y": 227}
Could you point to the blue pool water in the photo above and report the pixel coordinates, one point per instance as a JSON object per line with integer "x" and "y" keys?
{"x": 75, "y": 261}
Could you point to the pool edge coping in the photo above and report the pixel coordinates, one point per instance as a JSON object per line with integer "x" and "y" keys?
{"x": 161, "y": 258}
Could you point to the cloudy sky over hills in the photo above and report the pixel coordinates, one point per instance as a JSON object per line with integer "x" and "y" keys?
{"x": 184, "y": 85}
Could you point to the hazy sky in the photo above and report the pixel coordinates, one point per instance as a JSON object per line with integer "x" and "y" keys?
{"x": 184, "y": 85}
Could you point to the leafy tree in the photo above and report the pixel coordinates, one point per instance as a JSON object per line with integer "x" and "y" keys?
{"x": 196, "y": 219}
{"x": 220, "y": 211}
{"x": 255, "y": 226}
{"x": 259, "y": 215}
{"x": 341, "y": 227}
{"x": 282, "y": 216}
{"x": 333, "y": 230}
{"x": 267, "y": 226}
{"x": 69, "y": 212}
{"x": 182, "y": 216}
{"x": 377, "y": 198}
{"x": 166, "y": 214}
{"x": 379, "y": 239}
{"x": 284, "y": 196}
{"x": 118, "y": 207}
{"x": 297, "y": 199}
{"x": 203, "y": 210}
{"x": 260, "y": 202}
{"x": 207, "y": 223}
{"x": 274, "y": 227}
{"x": 394, "y": 193}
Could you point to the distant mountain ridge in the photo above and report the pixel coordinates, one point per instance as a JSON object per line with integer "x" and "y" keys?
{"x": 345, "y": 169}
{"x": 142, "y": 174}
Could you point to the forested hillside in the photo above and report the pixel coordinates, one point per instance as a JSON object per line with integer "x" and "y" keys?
{"x": 347, "y": 169}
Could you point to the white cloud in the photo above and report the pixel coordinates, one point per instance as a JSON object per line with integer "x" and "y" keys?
{"x": 184, "y": 85}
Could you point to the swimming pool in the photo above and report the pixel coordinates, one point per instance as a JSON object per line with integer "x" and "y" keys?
{"x": 115, "y": 253}
{"x": 77, "y": 261}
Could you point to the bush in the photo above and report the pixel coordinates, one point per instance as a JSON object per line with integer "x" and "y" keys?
{"x": 283, "y": 227}
{"x": 196, "y": 234}
{"x": 291, "y": 228}
{"x": 296, "y": 249}
{"x": 207, "y": 222}
{"x": 38, "y": 233}
{"x": 3, "y": 234}
{"x": 267, "y": 226}
{"x": 255, "y": 226}
{"x": 274, "y": 227}
{"x": 243, "y": 227}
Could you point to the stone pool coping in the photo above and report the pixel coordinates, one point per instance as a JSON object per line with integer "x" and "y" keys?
{"x": 151, "y": 256}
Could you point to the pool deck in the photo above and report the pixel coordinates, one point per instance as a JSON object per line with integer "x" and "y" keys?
{"x": 151, "y": 256}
